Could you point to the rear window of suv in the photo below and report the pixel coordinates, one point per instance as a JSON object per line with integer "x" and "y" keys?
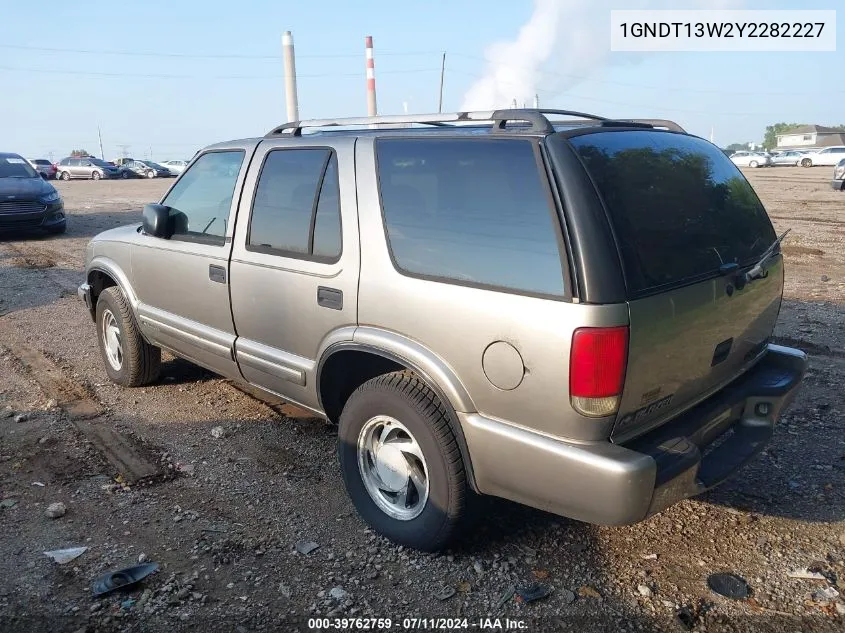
{"x": 679, "y": 207}
{"x": 476, "y": 212}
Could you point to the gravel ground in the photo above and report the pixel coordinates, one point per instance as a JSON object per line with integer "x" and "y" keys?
{"x": 244, "y": 481}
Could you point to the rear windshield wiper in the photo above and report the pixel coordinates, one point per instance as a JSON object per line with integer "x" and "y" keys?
{"x": 757, "y": 271}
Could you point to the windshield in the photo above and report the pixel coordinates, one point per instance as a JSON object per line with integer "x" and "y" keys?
{"x": 679, "y": 208}
{"x": 16, "y": 167}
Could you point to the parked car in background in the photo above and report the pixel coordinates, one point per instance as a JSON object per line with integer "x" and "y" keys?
{"x": 26, "y": 200}
{"x": 826, "y": 156}
{"x": 87, "y": 167}
{"x": 602, "y": 377}
{"x": 43, "y": 167}
{"x": 789, "y": 157}
{"x": 838, "y": 181}
{"x": 147, "y": 169}
{"x": 122, "y": 161}
{"x": 750, "y": 159}
{"x": 175, "y": 166}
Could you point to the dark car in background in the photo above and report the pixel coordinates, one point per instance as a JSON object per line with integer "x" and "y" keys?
{"x": 147, "y": 169}
{"x": 87, "y": 167}
{"x": 838, "y": 181}
{"x": 27, "y": 201}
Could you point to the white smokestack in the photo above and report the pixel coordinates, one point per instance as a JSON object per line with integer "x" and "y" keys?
{"x": 562, "y": 42}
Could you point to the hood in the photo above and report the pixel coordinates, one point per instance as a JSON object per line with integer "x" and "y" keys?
{"x": 126, "y": 233}
{"x": 24, "y": 188}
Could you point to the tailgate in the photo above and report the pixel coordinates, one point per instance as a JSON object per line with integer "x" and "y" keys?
{"x": 687, "y": 343}
{"x": 687, "y": 225}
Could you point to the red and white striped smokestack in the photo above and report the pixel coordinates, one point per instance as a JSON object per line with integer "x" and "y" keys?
{"x": 372, "y": 110}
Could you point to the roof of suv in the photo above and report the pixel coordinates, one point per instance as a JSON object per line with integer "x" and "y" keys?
{"x": 521, "y": 122}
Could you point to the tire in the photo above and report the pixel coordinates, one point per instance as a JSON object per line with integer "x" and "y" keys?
{"x": 403, "y": 399}
{"x": 65, "y": 175}
{"x": 139, "y": 362}
{"x": 753, "y": 163}
{"x": 96, "y": 175}
{"x": 151, "y": 174}
{"x": 806, "y": 162}
{"x": 58, "y": 229}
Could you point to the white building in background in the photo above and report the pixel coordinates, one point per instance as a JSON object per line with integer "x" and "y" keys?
{"x": 810, "y": 137}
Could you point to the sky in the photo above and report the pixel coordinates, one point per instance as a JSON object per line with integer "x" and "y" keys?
{"x": 163, "y": 79}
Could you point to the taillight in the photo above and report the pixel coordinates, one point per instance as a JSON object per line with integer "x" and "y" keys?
{"x": 597, "y": 364}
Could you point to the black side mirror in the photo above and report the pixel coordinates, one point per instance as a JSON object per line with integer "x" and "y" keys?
{"x": 156, "y": 221}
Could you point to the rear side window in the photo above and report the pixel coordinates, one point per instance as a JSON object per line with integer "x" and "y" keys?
{"x": 679, "y": 208}
{"x": 473, "y": 211}
{"x": 296, "y": 210}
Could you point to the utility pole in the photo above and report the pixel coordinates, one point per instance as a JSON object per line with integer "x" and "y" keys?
{"x": 536, "y": 102}
{"x": 124, "y": 151}
{"x": 291, "y": 99}
{"x": 100, "y": 136}
{"x": 442, "y": 73}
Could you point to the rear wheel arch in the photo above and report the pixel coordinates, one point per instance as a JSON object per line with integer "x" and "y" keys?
{"x": 336, "y": 382}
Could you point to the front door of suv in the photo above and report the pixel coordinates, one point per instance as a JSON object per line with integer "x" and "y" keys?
{"x": 295, "y": 262}
{"x": 182, "y": 283}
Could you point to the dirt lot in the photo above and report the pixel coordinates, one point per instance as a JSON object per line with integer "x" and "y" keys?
{"x": 143, "y": 476}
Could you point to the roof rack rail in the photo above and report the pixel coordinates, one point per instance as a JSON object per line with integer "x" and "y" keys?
{"x": 538, "y": 122}
{"x": 654, "y": 123}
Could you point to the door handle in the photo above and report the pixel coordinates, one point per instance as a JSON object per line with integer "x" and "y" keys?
{"x": 217, "y": 274}
{"x": 331, "y": 298}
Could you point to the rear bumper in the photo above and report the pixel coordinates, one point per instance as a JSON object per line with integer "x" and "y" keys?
{"x": 839, "y": 185}
{"x": 605, "y": 483}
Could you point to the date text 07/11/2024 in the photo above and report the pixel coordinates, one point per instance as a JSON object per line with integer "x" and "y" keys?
{"x": 411, "y": 624}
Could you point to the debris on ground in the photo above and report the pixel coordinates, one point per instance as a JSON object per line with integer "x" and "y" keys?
{"x": 55, "y": 510}
{"x": 540, "y": 574}
{"x": 40, "y": 484}
{"x": 306, "y": 547}
{"x": 533, "y": 592}
{"x": 567, "y": 596}
{"x": 649, "y": 557}
{"x": 645, "y": 591}
{"x": 217, "y": 432}
{"x": 62, "y": 556}
{"x": 123, "y": 578}
{"x": 586, "y": 591}
{"x": 507, "y": 594}
{"x": 828, "y": 593}
{"x": 338, "y": 593}
{"x": 729, "y": 585}
{"x": 805, "y": 574}
{"x": 8, "y": 503}
{"x": 445, "y": 593}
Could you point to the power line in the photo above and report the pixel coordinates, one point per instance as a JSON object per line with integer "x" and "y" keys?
{"x": 91, "y": 51}
{"x": 158, "y": 76}
{"x": 632, "y": 84}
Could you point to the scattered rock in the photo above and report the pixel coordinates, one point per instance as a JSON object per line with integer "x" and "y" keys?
{"x": 21, "y": 417}
{"x": 645, "y": 591}
{"x": 285, "y": 591}
{"x": 825, "y": 278}
{"x": 217, "y": 432}
{"x": 842, "y": 539}
{"x": 142, "y": 558}
{"x": 8, "y": 503}
{"x": 567, "y": 596}
{"x": 338, "y": 593}
{"x": 55, "y": 510}
{"x": 649, "y": 557}
{"x": 306, "y": 547}
{"x": 478, "y": 567}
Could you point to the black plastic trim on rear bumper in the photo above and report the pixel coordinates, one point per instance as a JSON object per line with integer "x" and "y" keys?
{"x": 707, "y": 444}
{"x": 839, "y": 185}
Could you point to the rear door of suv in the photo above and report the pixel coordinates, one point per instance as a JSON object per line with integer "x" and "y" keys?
{"x": 686, "y": 224}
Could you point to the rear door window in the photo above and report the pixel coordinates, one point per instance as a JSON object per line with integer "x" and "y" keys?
{"x": 471, "y": 211}
{"x": 679, "y": 208}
